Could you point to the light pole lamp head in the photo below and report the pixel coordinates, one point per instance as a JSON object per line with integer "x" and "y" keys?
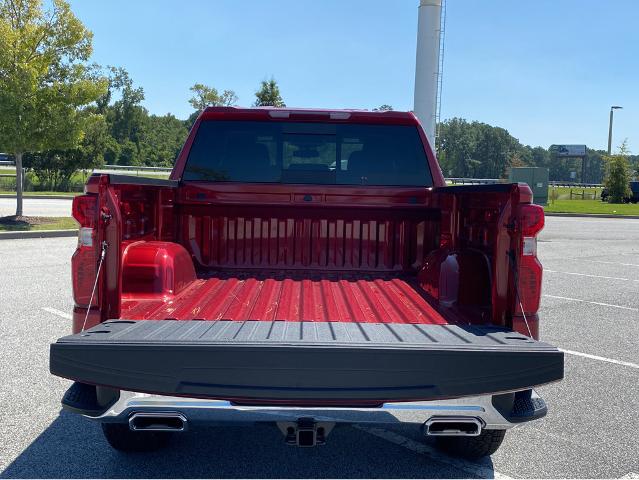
{"x": 615, "y": 107}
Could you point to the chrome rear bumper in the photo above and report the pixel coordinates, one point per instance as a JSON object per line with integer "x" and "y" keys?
{"x": 221, "y": 412}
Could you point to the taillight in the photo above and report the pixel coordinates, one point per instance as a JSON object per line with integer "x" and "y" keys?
{"x": 531, "y": 221}
{"x": 85, "y": 213}
{"x": 84, "y": 260}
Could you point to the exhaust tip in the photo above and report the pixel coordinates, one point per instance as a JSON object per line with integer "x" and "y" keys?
{"x": 158, "y": 422}
{"x": 453, "y": 426}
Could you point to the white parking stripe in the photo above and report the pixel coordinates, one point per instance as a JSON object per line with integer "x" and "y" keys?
{"x": 594, "y": 303}
{"x": 594, "y": 276}
{"x": 611, "y": 263}
{"x": 423, "y": 449}
{"x": 57, "y": 312}
{"x": 631, "y": 475}
{"x": 602, "y": 359}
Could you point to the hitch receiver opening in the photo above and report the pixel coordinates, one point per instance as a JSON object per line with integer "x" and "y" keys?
{"x": 306, "y": 432}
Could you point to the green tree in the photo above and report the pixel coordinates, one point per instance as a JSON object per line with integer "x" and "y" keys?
{"x": 475, "y": 149}
{"x": 45, "y": 80}
{"x": 228, "y": 98}
{"x": 594, "y": 169}
{"x": 117, "y": 79}
{"x": 458, "y": 140}
{"x": 617, "y": 179}
{"x": 268, "y": 95}
{"x": 127, "y": 115}
{"x": 203, "y": 96}
{"x": 496, "y": 150}
{"x": 161, "y": 140}
{"x": 94, "y": 143}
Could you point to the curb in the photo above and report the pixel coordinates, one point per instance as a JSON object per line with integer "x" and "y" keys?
{"x": 43, "y": 197}
{"x": 590, "y": 215}
{"x": 38, "y": 234}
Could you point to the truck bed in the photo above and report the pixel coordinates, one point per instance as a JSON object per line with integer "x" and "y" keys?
{"x": 292, "y": 296}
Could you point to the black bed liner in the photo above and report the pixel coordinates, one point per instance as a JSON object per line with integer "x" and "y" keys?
{"x": 287, "y": 361}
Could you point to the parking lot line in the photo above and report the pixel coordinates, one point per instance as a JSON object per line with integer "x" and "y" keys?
{"x": 57, "y": 312}
{"x": 588, "y": 275}
{"x": 594, "y": 303}
{"x": 602, "y": 359}
{"x": 423, "y": 449}
{"x": 612, "y": 263}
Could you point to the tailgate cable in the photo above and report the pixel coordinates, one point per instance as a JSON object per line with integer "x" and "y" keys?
{"x": 511, "y": 258}
{"x": 95, "y": 284}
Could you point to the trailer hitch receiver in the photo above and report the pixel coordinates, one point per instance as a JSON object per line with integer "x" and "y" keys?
{"x": 306, "y": 432}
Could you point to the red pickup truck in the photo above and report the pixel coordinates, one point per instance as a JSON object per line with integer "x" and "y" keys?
{"x": 307, "y": 268}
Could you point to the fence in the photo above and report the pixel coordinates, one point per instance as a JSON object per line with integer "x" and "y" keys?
{"x": 553, "y": 183}
{"x": 584, "y": 194}
{"x": 155, "y": 171}
{"x": 473, "y": 181}
{"x": 7, "y": 182}
{"x": 574, "y": 184}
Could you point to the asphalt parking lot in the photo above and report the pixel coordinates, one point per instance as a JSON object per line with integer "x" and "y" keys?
{"x": 590, "y": 308}
{"x": 37, "y": 207}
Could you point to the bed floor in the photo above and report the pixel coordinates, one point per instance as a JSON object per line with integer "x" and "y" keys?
{"x": 291, "y": 297}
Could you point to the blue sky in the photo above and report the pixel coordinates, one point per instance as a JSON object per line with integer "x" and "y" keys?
{"x": 546, "y": 70}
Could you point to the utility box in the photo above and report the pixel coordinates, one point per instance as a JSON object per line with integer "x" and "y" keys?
{"x": 537, "y": 180}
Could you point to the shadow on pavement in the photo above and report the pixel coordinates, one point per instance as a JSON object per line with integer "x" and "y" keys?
{"x": 74, "y": 447}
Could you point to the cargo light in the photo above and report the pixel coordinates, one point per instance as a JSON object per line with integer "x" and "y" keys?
{"x": 312, "y": 113}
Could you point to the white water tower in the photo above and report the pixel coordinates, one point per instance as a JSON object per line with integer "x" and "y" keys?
{"x": 428, "y": 65}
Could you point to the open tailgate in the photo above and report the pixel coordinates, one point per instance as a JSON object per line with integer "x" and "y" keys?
{"x": 305, "y": 361}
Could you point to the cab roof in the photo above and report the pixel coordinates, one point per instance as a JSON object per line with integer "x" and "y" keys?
{"x": 309, "y": 115}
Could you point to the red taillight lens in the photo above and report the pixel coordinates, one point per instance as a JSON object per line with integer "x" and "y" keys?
{"x": 531, "y": 222}
{"x": 83, "y": 262}
{"x": 84, "y": 270}
{"x": 85, "y": 209}
{"x": 530, "y": 274}
{"x": 531, "y": 219}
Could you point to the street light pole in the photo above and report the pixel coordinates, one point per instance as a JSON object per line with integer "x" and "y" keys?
{"x": 612, "y": 109}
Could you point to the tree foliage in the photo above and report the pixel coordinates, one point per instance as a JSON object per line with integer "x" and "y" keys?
{"x": 617, "y": 179}
{"x": 205, "y": 96}
{"x": 269, "y": 95}
{"x": 133, "y": 136}
{"x": 475, "y": 149}
{"x": 45, "y": 79}
{"x": 228, "y": 98}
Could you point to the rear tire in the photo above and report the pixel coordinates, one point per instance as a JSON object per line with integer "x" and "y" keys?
{"x": 122, "y": 438}
{"x": 472, "y": 448}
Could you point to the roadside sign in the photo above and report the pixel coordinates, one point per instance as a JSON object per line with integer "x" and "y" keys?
{"x": 568, "y": 150}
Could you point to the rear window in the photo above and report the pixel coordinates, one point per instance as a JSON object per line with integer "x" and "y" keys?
{"x": 317, "y": 153}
